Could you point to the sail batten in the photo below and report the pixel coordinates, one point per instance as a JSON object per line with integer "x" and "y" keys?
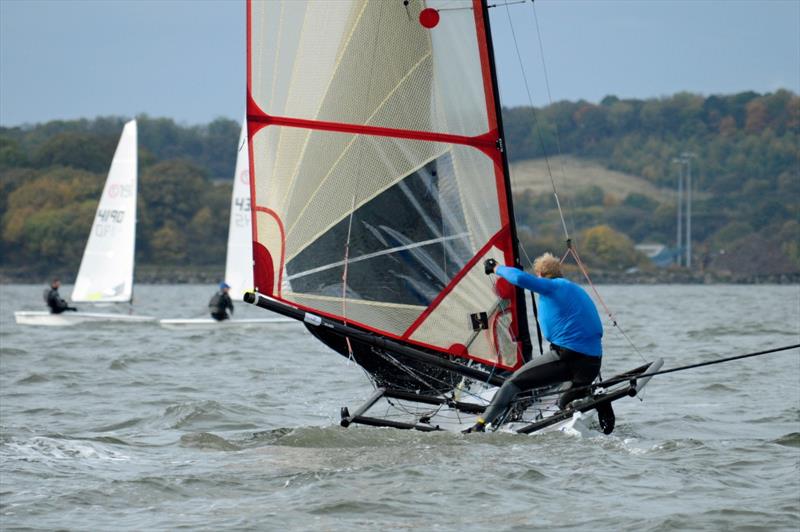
{"x": 379, "y": 185}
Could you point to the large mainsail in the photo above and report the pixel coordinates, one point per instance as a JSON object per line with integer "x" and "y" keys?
{"x": 378, "y": 177}
{"x": 239, "y": 258}
{"x": 106, "y": 271}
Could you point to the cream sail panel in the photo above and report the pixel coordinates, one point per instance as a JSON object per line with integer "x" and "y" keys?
{"x": 477, "y": 187}
{"x": 325, "y": 151}
{"x": 383, "y": 48}
{"x": 278, "y": 154}
{"x": 297, "y": 45}
{"x": 106, "y": 270}
{"x": 377, "y": 49}
{"x": 369, "y": 167}
{"x": 458, "y": 77}
{"x": 383, "y": 163}
{"x": 394, "y": 319}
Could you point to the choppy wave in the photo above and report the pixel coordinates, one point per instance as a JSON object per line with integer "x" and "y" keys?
{"x": 56, "y": 449}
{"x": 789, "y": 440}
{"x": 33, "y": 378}
{"x": 209, "y": 414}
{"x": 205, "y": 440}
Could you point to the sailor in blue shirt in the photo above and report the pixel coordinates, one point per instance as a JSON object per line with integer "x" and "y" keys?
{"x": 569, "y": 321}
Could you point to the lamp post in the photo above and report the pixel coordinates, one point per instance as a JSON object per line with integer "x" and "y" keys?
{"x": 687, "y": 158}
{"x": 679, "y": 239}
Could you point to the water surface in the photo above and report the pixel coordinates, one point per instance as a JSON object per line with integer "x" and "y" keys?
{"x": 134, "y": 427}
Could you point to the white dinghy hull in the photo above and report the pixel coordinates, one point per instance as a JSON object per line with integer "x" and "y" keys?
{"x": 69, "y": 319}
{"x": 209, "y": 323}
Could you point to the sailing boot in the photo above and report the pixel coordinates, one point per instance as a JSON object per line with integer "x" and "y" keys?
{"x": 479, "y": 426}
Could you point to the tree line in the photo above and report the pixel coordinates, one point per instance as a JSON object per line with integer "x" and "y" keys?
{"x": 746, "y": 171}
{"x": 52, "y": 175}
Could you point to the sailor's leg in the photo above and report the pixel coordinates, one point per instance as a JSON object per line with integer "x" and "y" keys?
{"x": 584, "y": 369}
{"x": 500, "y": 402}
{"x": 541, "y": 371}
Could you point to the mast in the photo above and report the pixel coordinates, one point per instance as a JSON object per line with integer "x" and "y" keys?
{"x": 522, "y": 314}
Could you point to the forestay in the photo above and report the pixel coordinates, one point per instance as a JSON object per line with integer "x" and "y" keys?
{"x": 106, "y": 271}
{"x": 378, "y": 177}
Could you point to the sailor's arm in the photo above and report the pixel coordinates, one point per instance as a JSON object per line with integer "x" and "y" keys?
{"x": 525, "y": 280}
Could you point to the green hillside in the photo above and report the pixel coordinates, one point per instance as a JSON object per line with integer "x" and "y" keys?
{"x": 572, "y": 174}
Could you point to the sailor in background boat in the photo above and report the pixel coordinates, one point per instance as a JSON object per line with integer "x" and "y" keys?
{"x": 571, "y": 324}
{"x": 53, "y": 298}
{"x": 221, "y": 303}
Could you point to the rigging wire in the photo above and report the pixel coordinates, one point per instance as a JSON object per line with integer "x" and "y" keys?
{"x": 618, "y": 380}
{"x": 529, "y": 93}
{"x": 570, "y": 246}
{"x": 611, "y": 382}
{"x": 418, "y": 374}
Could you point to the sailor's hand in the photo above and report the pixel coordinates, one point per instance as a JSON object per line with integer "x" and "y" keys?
{"x": 489, "y": 265}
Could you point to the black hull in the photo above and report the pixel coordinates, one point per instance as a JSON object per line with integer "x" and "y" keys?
{"x": 389, "y": 362}
{"x": 391, "y": 369}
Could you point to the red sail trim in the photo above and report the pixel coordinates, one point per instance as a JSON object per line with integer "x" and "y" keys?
{"x": 453, "y": 282}
{"x": 500, "y": 179}
{"x": 277, "y": 218}
{"x": 387, "y": 334}
{"x": 263, "y": 270}
{"x": 248, "y": 99}
{"x": 487, "y": 142}
{"x": 252, "y": 177}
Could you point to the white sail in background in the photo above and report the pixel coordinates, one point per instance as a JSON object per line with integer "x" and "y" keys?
{"x": 239, "y": 261}
{"x": 106, "y": 271}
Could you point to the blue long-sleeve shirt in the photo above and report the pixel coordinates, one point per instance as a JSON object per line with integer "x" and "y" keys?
{"x": 566, "y": 312}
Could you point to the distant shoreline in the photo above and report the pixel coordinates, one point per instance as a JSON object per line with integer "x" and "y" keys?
{"x": 149, "y": 274}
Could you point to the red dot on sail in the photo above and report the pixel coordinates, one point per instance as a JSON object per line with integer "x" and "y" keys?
{"x": 459, "y": 350}
{"x": 429, "y": 17}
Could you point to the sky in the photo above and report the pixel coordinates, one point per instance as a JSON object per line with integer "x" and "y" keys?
{"x": 185, "y": 60}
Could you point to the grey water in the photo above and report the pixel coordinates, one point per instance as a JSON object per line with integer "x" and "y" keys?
{"x": 135, "y": 427}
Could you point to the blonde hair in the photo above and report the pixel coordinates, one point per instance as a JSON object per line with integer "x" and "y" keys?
{"x": 547, "y": 266}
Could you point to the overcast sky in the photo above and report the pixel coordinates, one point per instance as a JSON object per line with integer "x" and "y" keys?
{"x": 185, "y": 60}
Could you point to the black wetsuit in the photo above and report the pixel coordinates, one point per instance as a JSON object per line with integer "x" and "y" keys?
{"x": 54, "y": 301}
{"x": 219, "y": 305}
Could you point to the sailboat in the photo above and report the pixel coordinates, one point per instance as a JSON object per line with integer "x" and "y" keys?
{"x": 105, "y": 275}
{"x": 239, "y": 256}
{"x": 380, "y": 186}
